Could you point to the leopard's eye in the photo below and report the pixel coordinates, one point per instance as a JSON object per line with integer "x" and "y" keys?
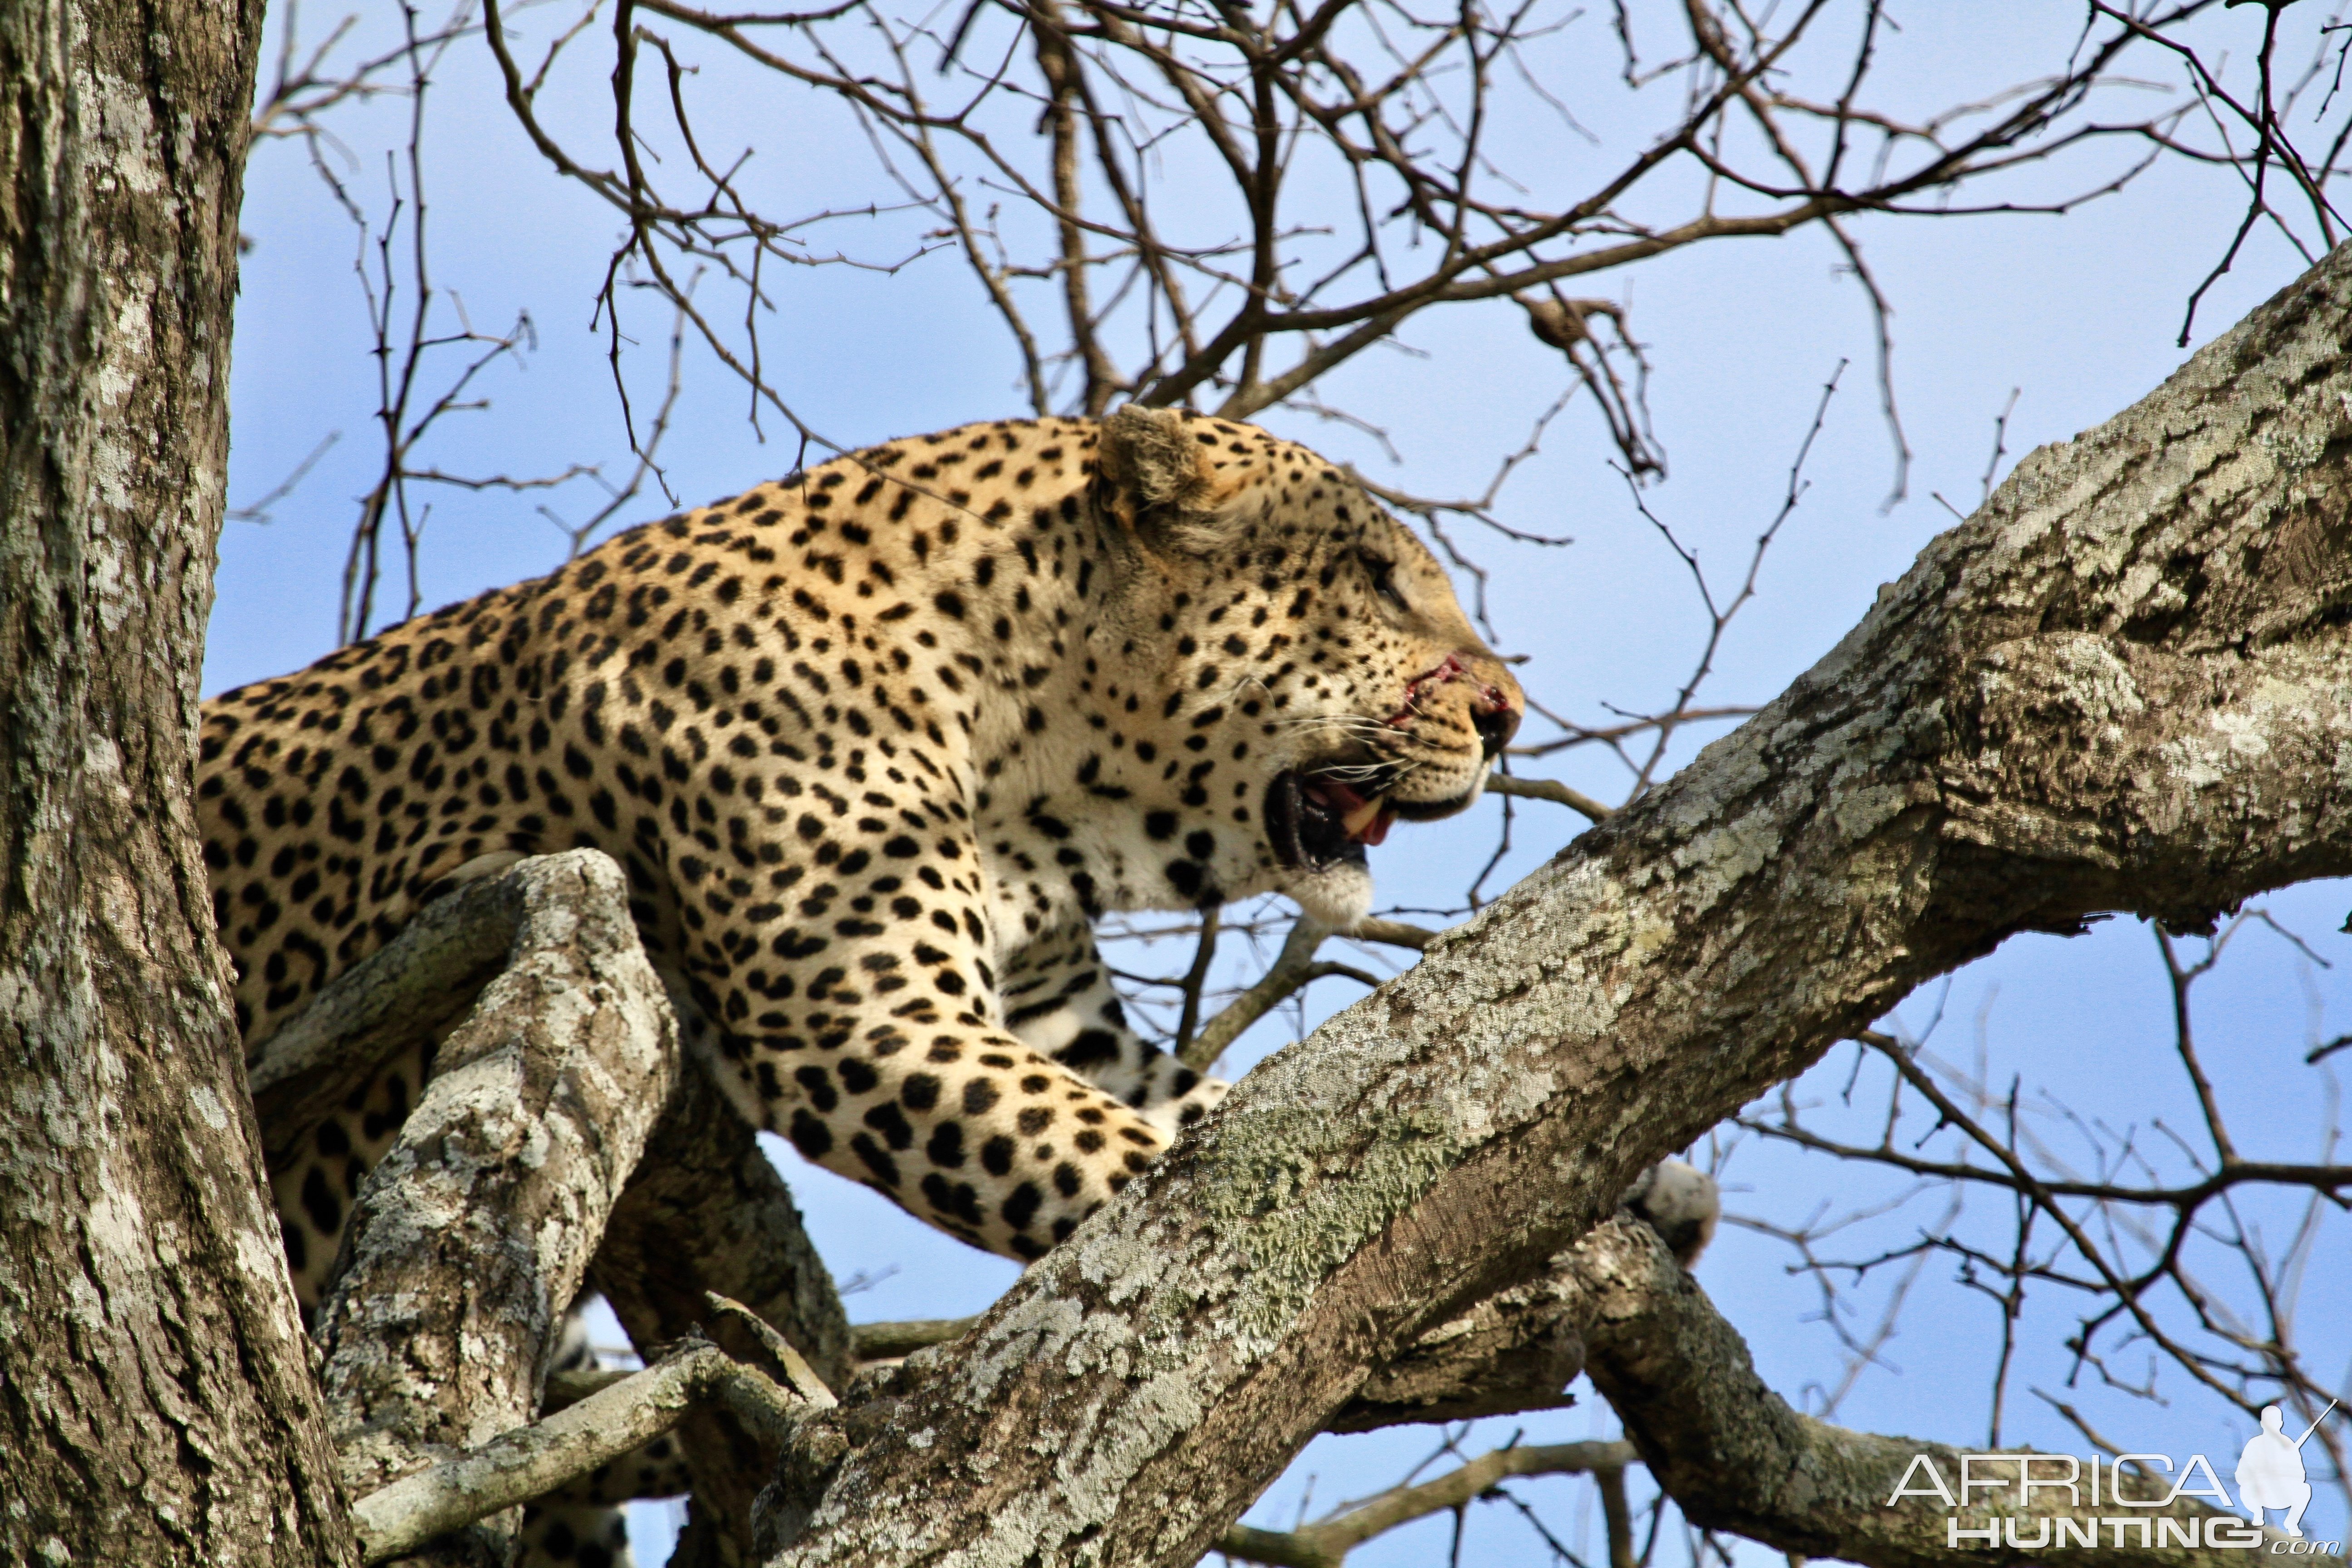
{"x": 1383, "y": 575}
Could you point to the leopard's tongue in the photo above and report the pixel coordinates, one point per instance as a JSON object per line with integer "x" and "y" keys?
{"x": 1366, "y": 821}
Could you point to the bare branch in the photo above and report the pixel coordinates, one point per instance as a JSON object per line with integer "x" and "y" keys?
{"x": 1550, "y": 790}
{"x": 1327, "y": 1545}
{"x": 533, "y": 1460}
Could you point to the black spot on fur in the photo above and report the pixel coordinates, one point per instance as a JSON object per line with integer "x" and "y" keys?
{"x": 891, "y": 1123}
{"x": 813, "y": 1138}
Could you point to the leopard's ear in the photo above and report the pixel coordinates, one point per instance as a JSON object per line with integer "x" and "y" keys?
{"x": 1154, "y": 475}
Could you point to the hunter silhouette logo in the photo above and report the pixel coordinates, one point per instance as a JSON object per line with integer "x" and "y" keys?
{"x": 2270, "y": 1476}
{"x": 2271, "y": 1473}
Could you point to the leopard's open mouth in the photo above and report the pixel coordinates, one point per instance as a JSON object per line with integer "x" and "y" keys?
{"x": 1316, "y": 820}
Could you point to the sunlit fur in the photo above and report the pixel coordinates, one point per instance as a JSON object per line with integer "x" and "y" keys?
{"x": 875, "y": 745}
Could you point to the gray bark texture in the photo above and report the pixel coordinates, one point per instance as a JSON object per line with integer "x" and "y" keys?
{"x": 1513, "y": 1352}
{"x": 156, "y": 1405}
{"x": 560, "y": 1130}
{"x": 471, "y": 1237}
{"x": 2125, "y": 684}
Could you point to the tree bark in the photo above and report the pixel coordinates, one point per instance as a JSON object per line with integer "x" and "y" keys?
{"x": 471, "y": 1237}
{"x": 2125, "y": 684}
{"x": 156, "y": 1399}
{"x": 1513, "y": 1352}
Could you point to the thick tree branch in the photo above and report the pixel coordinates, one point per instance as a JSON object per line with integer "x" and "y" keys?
{"x": 539, "y": 963}
{"x": 471, "y": 1237}
{"x": 2125, "y": 684}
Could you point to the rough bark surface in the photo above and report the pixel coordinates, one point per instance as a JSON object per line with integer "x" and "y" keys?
{"x": 1516, "y": 1350}
{"x": 473, "y": 1235}
{"x": 2125, "y": 684}
{"x": 155, "y": 1400}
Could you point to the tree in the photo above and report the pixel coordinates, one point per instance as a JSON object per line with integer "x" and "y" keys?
{"x": 1101, "y": 178}
{"x": 154, "y": 1393}
{"x": 2009, "y": 816}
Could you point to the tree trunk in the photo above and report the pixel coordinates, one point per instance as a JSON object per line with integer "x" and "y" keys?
{"x": 155, "y": 1401}
{"x": 2125, "y": 684}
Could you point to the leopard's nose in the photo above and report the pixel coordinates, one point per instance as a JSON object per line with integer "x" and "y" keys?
{"x": 1497, "y": 721}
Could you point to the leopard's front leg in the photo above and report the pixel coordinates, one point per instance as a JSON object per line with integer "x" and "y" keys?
{"x": 863, "y": 1023}
{"x": 1058, "y": 996}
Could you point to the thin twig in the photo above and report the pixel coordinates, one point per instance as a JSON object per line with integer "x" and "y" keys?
{"x": 1550, "y": 790}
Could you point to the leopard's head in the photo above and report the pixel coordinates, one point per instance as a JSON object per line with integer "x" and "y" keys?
{"x": 1307, "y": 646}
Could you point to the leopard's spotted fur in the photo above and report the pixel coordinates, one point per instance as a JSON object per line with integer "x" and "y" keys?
{"x": 875, "y": 744}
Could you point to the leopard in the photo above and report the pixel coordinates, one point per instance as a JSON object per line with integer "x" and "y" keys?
{"x": 876, "y": 744}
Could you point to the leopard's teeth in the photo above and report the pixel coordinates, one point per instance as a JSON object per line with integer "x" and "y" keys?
{"x": 1363, "y": 816}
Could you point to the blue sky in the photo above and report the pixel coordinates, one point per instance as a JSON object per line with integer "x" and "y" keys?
{"x": 2077, "y": 314}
